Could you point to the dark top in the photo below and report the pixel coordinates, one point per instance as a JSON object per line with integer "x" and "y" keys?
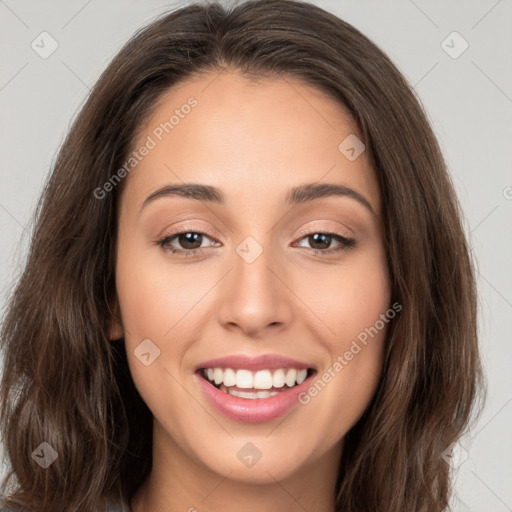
{"x": 115, "y": 507}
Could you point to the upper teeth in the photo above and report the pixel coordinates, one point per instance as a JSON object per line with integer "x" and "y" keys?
{"x": 262, "y": 379}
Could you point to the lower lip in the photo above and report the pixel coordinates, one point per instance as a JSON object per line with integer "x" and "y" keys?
{"x": 249, "y": 410}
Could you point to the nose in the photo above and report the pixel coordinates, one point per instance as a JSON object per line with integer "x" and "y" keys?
{"x": 255, "y": 298}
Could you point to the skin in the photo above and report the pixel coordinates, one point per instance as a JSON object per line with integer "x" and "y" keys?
{"x": 254, "y": 141}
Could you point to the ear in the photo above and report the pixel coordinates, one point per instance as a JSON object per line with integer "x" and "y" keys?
{"x": 115, "y": 327}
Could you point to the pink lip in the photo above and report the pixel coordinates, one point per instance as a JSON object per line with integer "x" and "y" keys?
{"x": 252, "y": 411}
{"x": 254, "y": 363}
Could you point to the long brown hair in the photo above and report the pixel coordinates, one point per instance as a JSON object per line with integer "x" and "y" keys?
{"x": 65, "y": 383}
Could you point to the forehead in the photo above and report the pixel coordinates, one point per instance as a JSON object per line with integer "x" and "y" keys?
{"x": 252, "y": 139}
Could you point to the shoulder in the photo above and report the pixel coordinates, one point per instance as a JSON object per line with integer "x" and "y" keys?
{"x": 117, "y": 507}
{"x": 113, "y": 506}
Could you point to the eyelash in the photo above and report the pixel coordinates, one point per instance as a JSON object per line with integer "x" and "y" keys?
{"x": 345, "y": 243}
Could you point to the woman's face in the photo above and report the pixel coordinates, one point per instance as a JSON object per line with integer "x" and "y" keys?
{"x": 288, "y": 280}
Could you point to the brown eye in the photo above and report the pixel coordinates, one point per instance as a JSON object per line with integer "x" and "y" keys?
{"x": 184, "y": 242}
{"x": 190, "y": 240}
{"x": 321, "y": 243}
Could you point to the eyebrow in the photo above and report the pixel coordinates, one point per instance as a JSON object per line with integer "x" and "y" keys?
{"x": 297, "y": 195}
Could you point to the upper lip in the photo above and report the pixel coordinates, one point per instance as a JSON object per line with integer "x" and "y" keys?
{"x": 254, "y": 363}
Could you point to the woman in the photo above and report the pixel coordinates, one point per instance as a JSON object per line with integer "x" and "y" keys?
{"x": 147, "y": 373}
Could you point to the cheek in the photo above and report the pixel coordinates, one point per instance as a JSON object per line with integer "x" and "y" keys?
{"x": 151, "y": 311}
{"x": 349, "y": 297}
{"x": 364, "y": 298}
{"x": 155, "y": 302}
{"x": 352, "y": 301}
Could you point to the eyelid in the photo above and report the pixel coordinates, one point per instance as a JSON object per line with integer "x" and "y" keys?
{"x": 210, "y": 234}
{"x": 317, "y": 229}
{"x": 347, "y": 242}
{"x": 188, "y": 229}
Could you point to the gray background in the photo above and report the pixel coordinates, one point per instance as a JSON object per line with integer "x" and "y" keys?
{"x": 468, "y": 99}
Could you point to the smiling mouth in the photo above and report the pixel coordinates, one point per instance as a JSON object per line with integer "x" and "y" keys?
{"x": 252, "y": 385}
